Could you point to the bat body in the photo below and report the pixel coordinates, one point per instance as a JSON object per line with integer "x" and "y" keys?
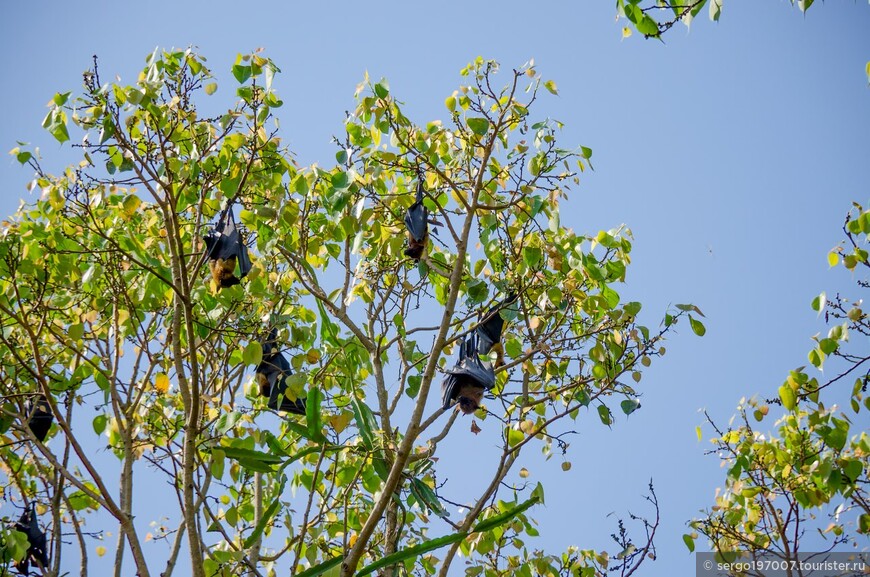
{"x": 226, "y": 251}
{"x": 271, "y": 376}
{"x": 36, "y": 552}
{"x": 417, "y": 223}
{"x": 467, "y": 381}
{"x": 490, "y": 328}
{"x": 39, "y": 417}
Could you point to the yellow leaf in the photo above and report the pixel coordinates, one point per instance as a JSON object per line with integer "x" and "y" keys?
{"x": 312, "y": 356}
{"x": 698, "y": 432}
{"x": 833, "y": 258}
{"x": 100, "y": 550}
{"x": 161, "y": 383}
{"x": 626, "y": 32}
{"x": 524, "y": 473}
{"x": 868, "y": 72}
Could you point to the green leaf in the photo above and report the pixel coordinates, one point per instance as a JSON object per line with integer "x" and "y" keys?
{"x": 409, "y": 553}
{"x": 365, "y": 421}
{"x": 629, "y": 406}
{"x": 864, "y": 523}
{"x": 264, "y": 520}
{"x": 502, "y": 518}
{"x": 690, "y": 543}
{"x": 252, "y": 354}
{"x": 211, "y": 88}
{"x": 426, "y": 496}
{"x": 604, "y": 414}
{"x": 100, "y": 424}
{"x": 551, "y": 86}
{"x": 242, "y": 73}
{"x": 382, "y": 90}
{"x": 787, "y": 396}
{"x": 238, "y": 453}
{"x": 819, "y": 302}
{"x": 479, "y": 126}
{"x": 697, "y": 326}
{"x": 321, "y": 568}
{"x": 312, "y": 414}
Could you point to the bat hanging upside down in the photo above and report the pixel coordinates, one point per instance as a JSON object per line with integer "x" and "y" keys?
{"x": 223, "y": 271}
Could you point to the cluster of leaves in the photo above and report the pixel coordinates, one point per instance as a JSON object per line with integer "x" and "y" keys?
{"x": 106, "y": 306}
{"x": 817, "y": 462}
{"x": 653, "y": 18}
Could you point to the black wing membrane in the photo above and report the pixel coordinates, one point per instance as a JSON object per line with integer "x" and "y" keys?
{"x": 417, "y": 223}
{"x": 36, "y": 552}
{"x": 224, "y": 245}
{"x": 38, "y": 415}
{"x": 272, "y": 373}
{"x": 469, "y": 373}
{"x": 491, "y": 326}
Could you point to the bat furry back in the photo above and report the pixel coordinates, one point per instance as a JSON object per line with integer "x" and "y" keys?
{"x": 36, "y": 552}
{"x": 417, "y": 223}
{"x": 468, "y": 379}
{"x": 38, "y": 416}
{"x": 226, "y": 251}
{"x": 272, "y": 373}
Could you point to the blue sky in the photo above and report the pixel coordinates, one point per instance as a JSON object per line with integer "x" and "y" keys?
{"x": 732, "y": 151}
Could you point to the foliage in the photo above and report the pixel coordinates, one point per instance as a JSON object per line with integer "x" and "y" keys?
{"x": 816, "y": 464}
{"x": 654, "y": 18}
{"x": 107, "y": 308}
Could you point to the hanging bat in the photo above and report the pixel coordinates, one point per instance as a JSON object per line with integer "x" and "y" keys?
{"x": 37, "y": 411}
{"x": 490, "y": 328}
{"x": 36, "y": 552}
{"x": 225, "y": 250}
{"x": 271, "y": 376}
{"x": 468, "y": 379}
{"x": 417, "y": 223}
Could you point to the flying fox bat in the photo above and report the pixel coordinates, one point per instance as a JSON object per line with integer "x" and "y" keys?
{"x": 38, "y": 414}
{"x": 417, "y": 223}
{"x": 271, "y": 377}
{"x": 225, "y": 250}
{"x": 36, "y": 552}
{"x": 489, "y": 330}
{"x": 468, "y": 379}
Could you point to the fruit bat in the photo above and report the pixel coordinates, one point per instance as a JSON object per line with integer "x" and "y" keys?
{"x": 417, "y": 223}
{"x": 489, "y": 330}
{"x": 468, "y": 379}
{"x": 36, "y": 552}
{"x": 38, "y": 415}
{"x": 271, "y": 377}
{"x": 225, "y": 250}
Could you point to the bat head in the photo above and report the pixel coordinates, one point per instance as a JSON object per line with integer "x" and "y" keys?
{"x": 469, "y": 397}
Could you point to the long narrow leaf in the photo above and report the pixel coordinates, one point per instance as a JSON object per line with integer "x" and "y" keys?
{"x": 412, "y": 552}
{"x": 267, "y": 516}
{"x": 238, "y": 453}
{"x": 322, "y": 568}
{"x": 502, "y": 518}
{"x": 312, "y": 414}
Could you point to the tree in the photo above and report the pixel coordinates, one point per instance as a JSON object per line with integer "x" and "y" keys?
{"x": 106, "y": 305}
{"x": 811, "y": 476}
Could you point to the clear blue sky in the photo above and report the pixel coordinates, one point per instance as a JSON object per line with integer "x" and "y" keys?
{"x": 732, "y": 152}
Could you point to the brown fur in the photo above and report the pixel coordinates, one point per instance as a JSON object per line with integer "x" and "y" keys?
{"x": 263, "y": 382}
{"x": 222, "y": 271}
{"x": 499, "y": 355}
{"x": 469, "y": 398}
{"x": 416, "y": 248}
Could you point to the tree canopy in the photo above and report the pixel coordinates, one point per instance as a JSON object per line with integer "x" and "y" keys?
{"x": 113, "y": 325}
